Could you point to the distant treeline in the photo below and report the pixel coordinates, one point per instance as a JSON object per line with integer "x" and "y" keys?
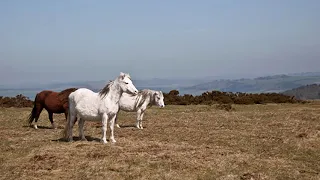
{"x": 305, "y": 92}
{"x": 218, "y": 97}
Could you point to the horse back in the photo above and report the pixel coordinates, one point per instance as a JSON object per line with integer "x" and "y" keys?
{"x": 54, "y": 104}
{"x": 41, "y": 96}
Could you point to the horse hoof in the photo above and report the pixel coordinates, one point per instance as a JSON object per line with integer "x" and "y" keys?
{"x": 118, "y": 126}
{"x": 103, "y": 141}
{"x": 35, "y": 126}
{"x": 84, "y": 139}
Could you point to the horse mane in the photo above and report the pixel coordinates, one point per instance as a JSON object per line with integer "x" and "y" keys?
{"x": 104, "y": 91}
{"x": 63, "y": 95}
{"x": 144, "y": 94}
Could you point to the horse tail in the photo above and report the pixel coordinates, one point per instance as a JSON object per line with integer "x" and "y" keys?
{"x": 34, "y": 110}
{"x": 71, "y": 112}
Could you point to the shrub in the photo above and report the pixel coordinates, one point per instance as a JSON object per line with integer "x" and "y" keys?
{"x": 209, "y": 98}
{"x": 226, "y": 107}
{"x": 18, "y": 101}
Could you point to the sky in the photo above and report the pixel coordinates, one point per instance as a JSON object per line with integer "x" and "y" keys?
{"x": 83, "y": 40}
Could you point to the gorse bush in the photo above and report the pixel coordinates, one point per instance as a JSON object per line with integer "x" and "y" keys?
{"x": 18, "y": 101}
{"x": 218, "y": 97}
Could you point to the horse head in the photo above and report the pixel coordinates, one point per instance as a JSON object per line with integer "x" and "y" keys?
{"x": 158, "y": 98}
{"x": 126, "y": 84}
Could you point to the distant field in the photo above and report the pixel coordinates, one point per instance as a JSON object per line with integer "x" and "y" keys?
{"x": 275, "y": 141}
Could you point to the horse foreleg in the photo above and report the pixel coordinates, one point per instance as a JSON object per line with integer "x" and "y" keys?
{"x": 112, "y": 119}
{"x": 51, "y": 120}
{"x": 81, "y": 133}
{"x": 141, "y": 117}
{"x": 104, "y": 128}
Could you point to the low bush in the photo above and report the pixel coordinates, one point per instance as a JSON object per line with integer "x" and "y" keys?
{"x": 218, "y": 97}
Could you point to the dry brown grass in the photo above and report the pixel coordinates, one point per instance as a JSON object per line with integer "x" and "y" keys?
{"x": 276, "y": 141}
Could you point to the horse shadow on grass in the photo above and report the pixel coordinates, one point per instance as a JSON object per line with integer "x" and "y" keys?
{"x": 76, "y": 138}
{"x": 130, "y": 126}
{"x": 39, "y": 127}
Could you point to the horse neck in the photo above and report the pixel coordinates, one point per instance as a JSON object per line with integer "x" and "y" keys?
{"x": 142, "y": 100}
{"x": 114, "y": 94}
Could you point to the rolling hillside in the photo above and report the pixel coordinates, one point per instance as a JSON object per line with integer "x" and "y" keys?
{"x": 277, "y": 83}
{"x": 305, "y": 92}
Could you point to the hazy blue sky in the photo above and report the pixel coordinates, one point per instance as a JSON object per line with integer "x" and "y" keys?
{"x": 65, "y": 40}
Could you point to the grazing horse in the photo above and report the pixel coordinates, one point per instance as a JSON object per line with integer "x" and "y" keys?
{"x": 138, "y": 103}
{"x": 53, "y": 102}
{"x": 86, "y": 105}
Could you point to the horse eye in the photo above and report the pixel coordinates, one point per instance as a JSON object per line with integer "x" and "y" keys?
{"x": 126, "y": 82}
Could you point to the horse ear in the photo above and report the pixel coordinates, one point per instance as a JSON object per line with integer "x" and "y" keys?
{"x": 122, "y": 75}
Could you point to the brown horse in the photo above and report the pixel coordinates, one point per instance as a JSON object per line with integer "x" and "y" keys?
{"x": 53, "y": 102}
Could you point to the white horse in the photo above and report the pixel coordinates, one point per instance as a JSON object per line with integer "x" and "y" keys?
{"x": 85, "y": 104}
{"x": 138, "y": 103}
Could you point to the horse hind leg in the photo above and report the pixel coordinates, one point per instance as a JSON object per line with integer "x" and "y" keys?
{"x": 140, "y": 121}
{"x": 81, "y": 133}
{"x": 138, "y": 118}
{"x": 37, "y": 115}
{"x": 115, "y": 121}
{"x": 66, "y": 114}
{"x": 69, "y": 127}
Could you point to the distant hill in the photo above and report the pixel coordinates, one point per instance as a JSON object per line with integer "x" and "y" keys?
{"x": 195, "y": 86}
{"x": 305, "y": 92}
{"x": 276, "y": 83}
{"x": 305, "y": 74}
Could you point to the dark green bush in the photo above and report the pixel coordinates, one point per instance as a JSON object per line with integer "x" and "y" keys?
{"x": 218, "y": 97}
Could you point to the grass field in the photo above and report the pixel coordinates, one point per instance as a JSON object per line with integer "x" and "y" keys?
{"x": 276, "y": 141}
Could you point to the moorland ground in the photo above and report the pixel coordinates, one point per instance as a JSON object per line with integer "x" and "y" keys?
{"x": 274, "y": 141}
